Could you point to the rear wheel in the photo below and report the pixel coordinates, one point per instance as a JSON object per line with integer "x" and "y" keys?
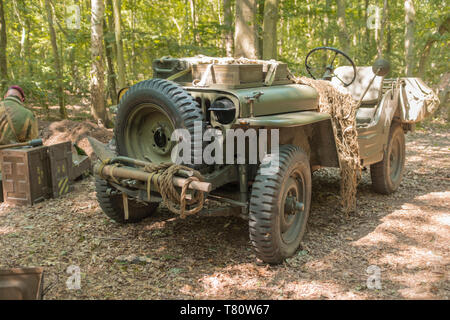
{"x": 387, "y": 174}
{"x": 112, "y": 204}
{"x": 279, "y": 206}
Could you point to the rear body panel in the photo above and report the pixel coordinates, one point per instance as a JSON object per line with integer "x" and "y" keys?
{"x": 373, "y": 136}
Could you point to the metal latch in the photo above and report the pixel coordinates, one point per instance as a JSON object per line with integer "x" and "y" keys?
{"x": 251, "y": 99}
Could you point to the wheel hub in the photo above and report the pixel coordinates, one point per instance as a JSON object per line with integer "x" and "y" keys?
{"x": 148, "y": 133}
{"x": 394, "y": 160}
{"x": 293, "y": 208}
{"x": 160, "y": 138}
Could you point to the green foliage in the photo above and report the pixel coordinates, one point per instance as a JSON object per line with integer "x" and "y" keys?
{"x": 156, "y": 28}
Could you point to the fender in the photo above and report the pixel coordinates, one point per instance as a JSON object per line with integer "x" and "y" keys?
{"x": 372, "y": 138}
{"x": 310, "y": 130}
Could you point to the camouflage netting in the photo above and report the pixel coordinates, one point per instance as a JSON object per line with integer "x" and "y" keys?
{"x": 200, "y": 59}
{"x": 342, "y": 108}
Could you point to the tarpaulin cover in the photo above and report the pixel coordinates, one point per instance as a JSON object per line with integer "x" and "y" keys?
{"x": 417, "y": 100}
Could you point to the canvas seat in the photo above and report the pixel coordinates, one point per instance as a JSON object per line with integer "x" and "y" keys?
{"x": 362, "y": 80}
{"x": 366, "y": 112}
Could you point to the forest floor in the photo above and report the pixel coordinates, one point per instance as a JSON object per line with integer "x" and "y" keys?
{"x": 406, "y": 235}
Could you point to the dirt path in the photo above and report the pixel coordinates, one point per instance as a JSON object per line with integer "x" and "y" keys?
{"x": 405, "y": 235}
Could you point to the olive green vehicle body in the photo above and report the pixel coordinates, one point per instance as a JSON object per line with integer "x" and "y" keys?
{"x": 292, "y": 109}
{"x": 260, "y": 110}
{"x": 288, "y": 107}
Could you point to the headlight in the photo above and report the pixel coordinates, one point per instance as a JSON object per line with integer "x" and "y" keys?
{"x": 224, "y": 110}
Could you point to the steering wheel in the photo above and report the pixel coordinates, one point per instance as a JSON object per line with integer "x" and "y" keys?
{"x": 328, "y": 67}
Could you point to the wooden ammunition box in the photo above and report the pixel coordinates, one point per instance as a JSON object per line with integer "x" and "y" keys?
{"x": 281, "y": 74}
{"x": 30, "y": 175}
{"x": 230, "y": 74}
{"x": 25, "y": 175}
{"x": 60, "y": 164}
{"x": 21, "y": 284}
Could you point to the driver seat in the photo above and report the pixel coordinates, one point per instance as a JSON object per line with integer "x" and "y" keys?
{"x": 362, "y": 80}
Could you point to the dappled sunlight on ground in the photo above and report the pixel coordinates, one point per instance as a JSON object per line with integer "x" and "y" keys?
{"x": 6, "y": 230}
{"x": 406, "y": 235}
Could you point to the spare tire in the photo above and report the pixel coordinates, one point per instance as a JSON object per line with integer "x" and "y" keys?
{"x": 147, "y": 115}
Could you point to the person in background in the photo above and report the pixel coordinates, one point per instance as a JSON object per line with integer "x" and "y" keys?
{"x": 17, "y": 123}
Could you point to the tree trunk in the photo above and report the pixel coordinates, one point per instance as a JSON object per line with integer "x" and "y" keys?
{"x": 109, "y": 61}
{"x": 388, "y": 32}
{"x": 326, "y": 20}
{"x": 3, "y": 43}
{"x": 425, "y": 53}
{"x": 195, "y": 34}
{"x": 342, "y": 33}
{"x": 27, "y": 48}
{"x": 119, "y": 45}
{"x": 367, "y": 33}
{"x": 245, "y": 35}
{"x": 228, "y": 20}
{"x": 380, "y": 42}
{"x": 97, "y": 84}
{"x": 75, "y": 70}
{"x": 270, "y": 29}
{"x": 259, "y": 22}
{"x": 281, "y": 40}
{"x": 410, "y": 16}
{"x": 23, "y": 37}
{"x": 57, "y": 61}
{"x": 110, "y": 16}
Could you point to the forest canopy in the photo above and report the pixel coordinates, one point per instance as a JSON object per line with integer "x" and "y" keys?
{"x": 47, "y": 45}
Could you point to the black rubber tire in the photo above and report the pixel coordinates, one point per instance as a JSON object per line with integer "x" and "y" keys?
{"x": 180, "y": 106}
{"x": 112, "y": 205}
{"x": 382, "y": 181}
{"x": 267, "y": 206}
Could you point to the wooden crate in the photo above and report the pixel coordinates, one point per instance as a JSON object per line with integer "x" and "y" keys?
{"x": 25, "y": 175}
{"x": 230, "y": 74}
{"x": 21, "y": 284}
{"x": 281, "y": 73}
{"x": 30, "y": 175}
{"x": 60, "y": 163}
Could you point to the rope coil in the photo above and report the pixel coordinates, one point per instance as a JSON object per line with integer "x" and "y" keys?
{"x": 171, "y": 197}
{"x": 162, "y": 176}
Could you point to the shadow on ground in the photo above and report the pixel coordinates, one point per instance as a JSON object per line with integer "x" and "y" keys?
{"x": 405, "y": 235}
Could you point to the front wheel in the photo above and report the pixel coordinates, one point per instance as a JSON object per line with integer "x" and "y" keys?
{"x": 112, "y": 204}
{"x": 387, "y": 174}
{"x": 279, "y": 206}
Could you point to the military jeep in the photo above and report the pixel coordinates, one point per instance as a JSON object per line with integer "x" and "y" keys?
{"x": 222, "y": 96}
